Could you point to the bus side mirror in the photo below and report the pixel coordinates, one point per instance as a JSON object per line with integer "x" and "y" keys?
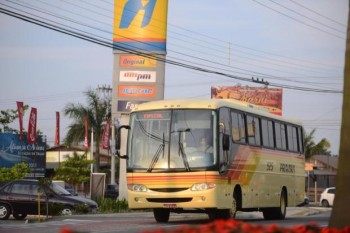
{"x": 117, "y": 141}
{"x": 226, "y": 142}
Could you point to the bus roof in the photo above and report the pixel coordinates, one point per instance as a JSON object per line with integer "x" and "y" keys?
{"x": 209, "y": 104}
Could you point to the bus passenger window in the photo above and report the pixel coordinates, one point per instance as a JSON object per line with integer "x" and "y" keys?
{"x": 253, "y": 128}
{"x": 267, "y": 133}
{"x": 238, "y": 127}
{"x": 280, "y": 136}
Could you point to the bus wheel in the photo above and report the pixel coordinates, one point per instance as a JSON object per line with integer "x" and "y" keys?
{"x": 277, "y": 213}
{"x": 161, "y": 215}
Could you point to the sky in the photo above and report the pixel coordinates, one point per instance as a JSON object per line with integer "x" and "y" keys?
{"x": 286, "y": 42}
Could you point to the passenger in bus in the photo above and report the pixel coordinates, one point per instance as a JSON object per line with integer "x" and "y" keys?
{"x": 204, "y": 146}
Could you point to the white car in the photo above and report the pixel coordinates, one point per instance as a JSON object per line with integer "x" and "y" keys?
{"x": 327, "y": 197}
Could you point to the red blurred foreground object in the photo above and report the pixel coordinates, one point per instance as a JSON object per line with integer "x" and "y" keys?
{"x": 68, "y": 230}
{"x": 234, "y": 226}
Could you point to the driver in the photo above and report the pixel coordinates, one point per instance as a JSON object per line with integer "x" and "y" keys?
{"x": 204, "y": 146}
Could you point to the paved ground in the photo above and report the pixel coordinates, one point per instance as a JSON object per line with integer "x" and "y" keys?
{"x": 291, "y": 212}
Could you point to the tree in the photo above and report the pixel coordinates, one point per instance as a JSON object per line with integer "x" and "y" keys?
{"x": 312, "y": 148}
{"x": 75, "y": 170}
{"x": 18, "y": 171}
{"x": 339, "y": 218}
{"x": 97, "y": 113}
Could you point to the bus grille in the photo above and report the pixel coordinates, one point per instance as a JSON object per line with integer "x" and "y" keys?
{"x": 169, "y": 200}
{"x": 168, "y": 190}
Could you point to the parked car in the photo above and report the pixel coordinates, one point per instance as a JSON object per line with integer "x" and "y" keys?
{"x": 66, "y": 186}
{"x": 112, "y": 191}
{"x": 327, "y": 197}
{"x": 20, "y": 198}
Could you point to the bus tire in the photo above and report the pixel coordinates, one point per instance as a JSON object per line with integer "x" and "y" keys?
{"x": 161, "y": 215}
{"x": 277, "y": 213}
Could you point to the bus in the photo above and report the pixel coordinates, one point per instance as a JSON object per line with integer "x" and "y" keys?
{"x": 254, "y": 161}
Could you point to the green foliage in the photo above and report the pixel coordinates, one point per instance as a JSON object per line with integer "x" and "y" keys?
{"x": 81, "y": 209}
{"x": 75, "y": 170}
{"x": 97, "y": 111}
{"x": 108, "y": 205}
{"x": 52, "y": 209}
{"x": 7, "y": 117}
{"x": 18, "y": 171}
{"x": 312, "y": 148}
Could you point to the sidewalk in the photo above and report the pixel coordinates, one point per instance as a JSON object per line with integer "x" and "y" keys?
{"x": 291, "y": 212}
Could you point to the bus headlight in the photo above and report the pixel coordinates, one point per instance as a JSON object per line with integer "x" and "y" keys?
{"x": 137, "y": 187}
{"x": 202, "y": 186}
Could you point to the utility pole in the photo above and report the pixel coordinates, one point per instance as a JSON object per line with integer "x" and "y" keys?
{"x": 107, "y": 91}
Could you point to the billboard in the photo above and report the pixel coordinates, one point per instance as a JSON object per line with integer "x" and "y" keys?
{"x": 140, "y": 25}
{"x": 270, "y": 98}
{"x": 13, "y": 151}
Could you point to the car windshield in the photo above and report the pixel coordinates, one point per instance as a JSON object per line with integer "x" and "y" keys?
{"x": 58, "y": 189}
{"x": 172, "y": 139}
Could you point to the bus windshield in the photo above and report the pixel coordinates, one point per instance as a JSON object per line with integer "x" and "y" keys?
{"x": 172, "y": 140}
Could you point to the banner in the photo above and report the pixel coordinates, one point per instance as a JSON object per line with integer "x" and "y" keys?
{"x": 31, "y": 137}
{"x": 57, "y": 134}
{"x": 20, "y": 117}
{"x": 86, "y": 141}
{"x": 269, "y": 98}
{"x": 106, "y": 135}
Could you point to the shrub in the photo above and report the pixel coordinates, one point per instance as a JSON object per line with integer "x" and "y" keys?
{"x": 108, "y": 205}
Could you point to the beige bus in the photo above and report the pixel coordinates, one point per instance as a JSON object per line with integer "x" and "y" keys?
{"x": 212, "y": 156}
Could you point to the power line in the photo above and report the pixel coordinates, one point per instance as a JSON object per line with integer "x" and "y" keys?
{"x": 315, "y": 12}
{"x": 307, "y": 17}
{"x": 83, "y": 24}
{"x": 172, "y": 62}
{"x": 299, "y": 21}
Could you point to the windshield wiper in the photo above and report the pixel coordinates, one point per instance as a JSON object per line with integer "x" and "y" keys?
{"x": 182, "y": 151}
{"x": 156, "y": 155}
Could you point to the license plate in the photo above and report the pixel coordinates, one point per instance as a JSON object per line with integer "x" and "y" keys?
{"x": 169, "y": 206}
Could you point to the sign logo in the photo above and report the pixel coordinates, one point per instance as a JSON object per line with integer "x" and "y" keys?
{"x": 128, "y": 105}
{"x": 137, "y": 76}
{"x": 136, "y": 61}
{"x": 132, "y": 9}
{"x": 140, "y": 25}
{"x": 136, "y": 91}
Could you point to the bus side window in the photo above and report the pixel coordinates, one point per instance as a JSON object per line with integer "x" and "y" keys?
{"x": 238, "y": 127}
{"x": 253, "y": 130}
{"x": 280, "y": 136}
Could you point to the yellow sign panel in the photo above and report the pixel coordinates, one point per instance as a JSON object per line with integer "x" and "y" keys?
{"x": 140, "y": 24}
{"x": 136, "y": 61}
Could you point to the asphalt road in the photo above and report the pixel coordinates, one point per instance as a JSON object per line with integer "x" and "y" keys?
{"x": 137, "y": 222}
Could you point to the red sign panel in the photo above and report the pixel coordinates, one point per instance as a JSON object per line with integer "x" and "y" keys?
{"x": 136, "y": 91}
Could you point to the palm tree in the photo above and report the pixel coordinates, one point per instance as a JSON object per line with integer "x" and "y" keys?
{"x": 97, "y": 111}
{"x": 311, "y": 148}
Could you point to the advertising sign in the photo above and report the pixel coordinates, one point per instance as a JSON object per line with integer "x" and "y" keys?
{"x": 128, "y": 105}
{"x": 136, "y": 61}
{"x": 270, "y": 98}
{"x": 137, "y": 91}
{"x": 140, "y": 25}
{"x": 137, "y": 76}
{"x": 13, "y": 151}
